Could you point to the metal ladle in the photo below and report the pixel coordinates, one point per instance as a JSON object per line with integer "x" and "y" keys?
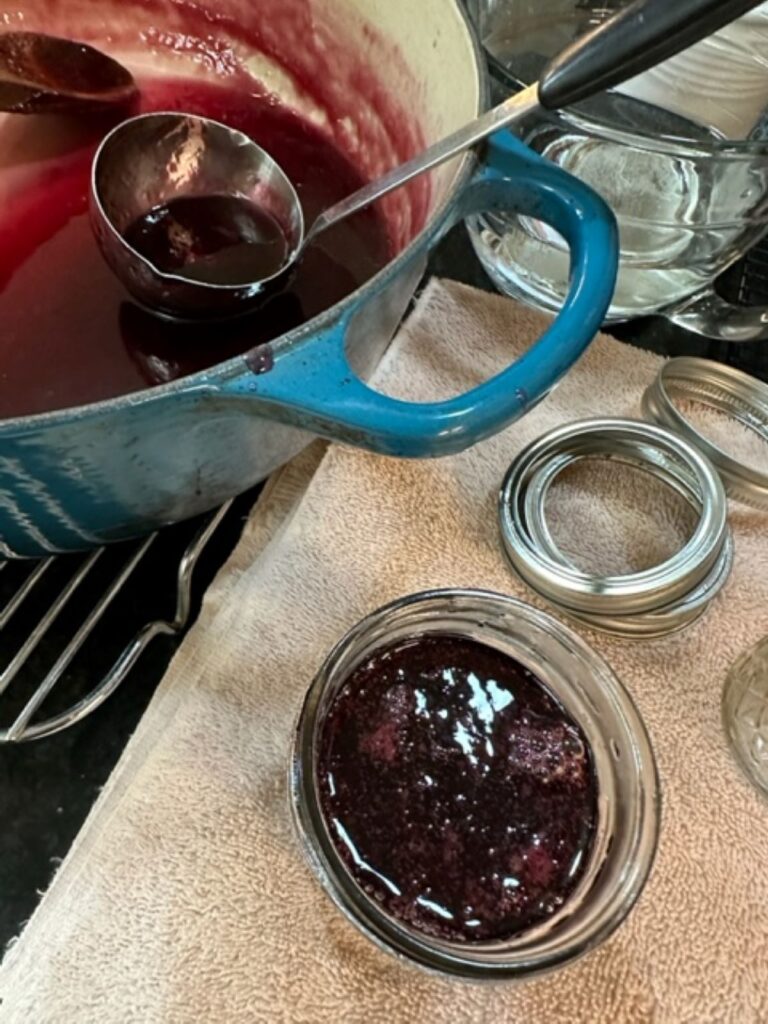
{"x": 745, "y": 712}
{"x": 151, "y": 160}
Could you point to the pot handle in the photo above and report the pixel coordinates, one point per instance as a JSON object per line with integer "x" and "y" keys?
{"x": 311, "y": 384}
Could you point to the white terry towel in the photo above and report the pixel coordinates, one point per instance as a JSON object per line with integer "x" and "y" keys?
{"x": 186, "y": 897}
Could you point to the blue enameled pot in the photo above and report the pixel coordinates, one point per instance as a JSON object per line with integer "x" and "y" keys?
{"x": 80, "y": 477}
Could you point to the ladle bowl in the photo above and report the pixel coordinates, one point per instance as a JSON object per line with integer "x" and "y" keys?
{"x": 150, "y": 160}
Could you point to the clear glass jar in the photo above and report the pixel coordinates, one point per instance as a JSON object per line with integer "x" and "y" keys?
{"x": 628, "y": 791}
{"x": 745, "y": 712}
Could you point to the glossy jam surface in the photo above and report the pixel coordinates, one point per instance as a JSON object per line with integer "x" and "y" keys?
{"x": 217, "y": 239}
{"x": 459, "y": 793}
{"x": 69, "y": 332}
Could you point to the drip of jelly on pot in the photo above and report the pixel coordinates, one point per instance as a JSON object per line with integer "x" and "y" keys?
{"x": 459, "y": 793}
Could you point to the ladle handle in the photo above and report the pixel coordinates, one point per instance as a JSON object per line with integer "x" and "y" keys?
{"x": 637, "y": 38}
{"x": 484, "y": 126}
{"x": 633, "y": 40}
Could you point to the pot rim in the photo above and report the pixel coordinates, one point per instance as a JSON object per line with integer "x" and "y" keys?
{"x": 201, "y": 382}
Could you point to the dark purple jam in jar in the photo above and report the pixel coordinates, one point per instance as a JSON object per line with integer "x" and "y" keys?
{"x": 459, "y": 793}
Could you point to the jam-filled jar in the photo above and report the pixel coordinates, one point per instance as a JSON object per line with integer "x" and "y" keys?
{"x": 474, "y": 787}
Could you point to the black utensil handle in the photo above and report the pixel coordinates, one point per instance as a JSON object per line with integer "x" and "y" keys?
{"x": 638, "y": 37}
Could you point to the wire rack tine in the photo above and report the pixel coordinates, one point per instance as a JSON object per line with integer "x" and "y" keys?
{"x": 77, "y": 642}
{"x": 7, "y": 677}
{"x": 24, "y": 590}
{"x": 132, "y": 652}
{"x": 187, "y": 565}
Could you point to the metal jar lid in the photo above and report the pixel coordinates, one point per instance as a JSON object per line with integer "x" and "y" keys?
{"x": 727, "y": 390}
{"x": 647, "y": 625}
{"x": 643, "y": 604}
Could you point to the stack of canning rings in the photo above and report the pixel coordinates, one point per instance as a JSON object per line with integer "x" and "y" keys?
{"x": 645, "y": 604}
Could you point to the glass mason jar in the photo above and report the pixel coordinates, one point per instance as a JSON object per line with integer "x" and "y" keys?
{"x": 689, "y": 202}
{"x": 628, "y": 794}
{"x": 745, "y": 712}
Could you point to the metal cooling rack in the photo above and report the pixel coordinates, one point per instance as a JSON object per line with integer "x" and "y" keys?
{"x": 72, "y": 627}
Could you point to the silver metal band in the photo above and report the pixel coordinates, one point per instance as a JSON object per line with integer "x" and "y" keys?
{"x": 651, "y": 603}
{"x": 731, "y": 392}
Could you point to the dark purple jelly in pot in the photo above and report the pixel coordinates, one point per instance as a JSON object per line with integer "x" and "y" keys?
{"x": 460, "y": 794}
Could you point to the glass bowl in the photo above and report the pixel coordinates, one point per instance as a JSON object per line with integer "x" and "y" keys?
{"x": 625, "y": 840}
{"x": 689, "y": 202}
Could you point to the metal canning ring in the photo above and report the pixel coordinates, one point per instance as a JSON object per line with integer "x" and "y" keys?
{"x": 668, "y": 620}
{"x": 731, "y": 392}
{"x": 673, "y": 591}
{"x": 649, "y": 625}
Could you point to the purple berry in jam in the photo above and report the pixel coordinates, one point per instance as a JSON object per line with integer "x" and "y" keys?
{"x": 459, "y": 793}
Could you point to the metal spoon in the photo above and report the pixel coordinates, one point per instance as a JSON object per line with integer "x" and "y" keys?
{"x": 41, "y": 74}
{"x": 152, "y": 160}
